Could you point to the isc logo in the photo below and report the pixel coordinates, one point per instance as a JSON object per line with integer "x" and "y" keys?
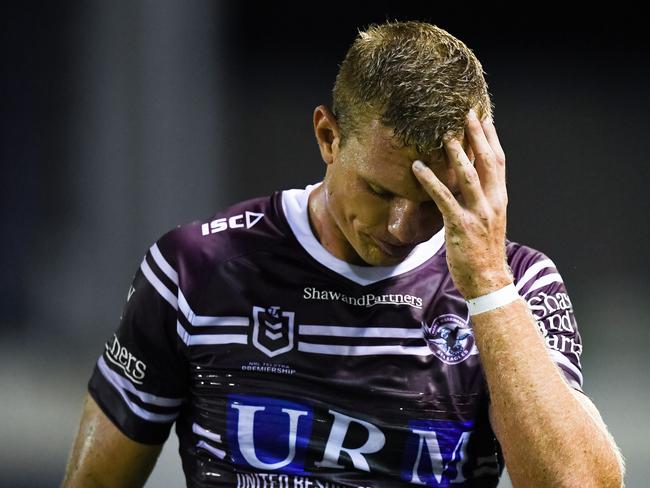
{"x": 248, "y": 220}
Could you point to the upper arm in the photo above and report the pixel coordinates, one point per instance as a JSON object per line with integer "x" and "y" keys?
{"x": 137, "y": 388}
{"x": 103, "y": 457}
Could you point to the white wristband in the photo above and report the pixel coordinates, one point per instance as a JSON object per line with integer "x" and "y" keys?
{"x": 491, "y": 301}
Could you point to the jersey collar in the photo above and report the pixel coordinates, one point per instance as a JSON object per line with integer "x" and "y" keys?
{"x": 294, "y": 206}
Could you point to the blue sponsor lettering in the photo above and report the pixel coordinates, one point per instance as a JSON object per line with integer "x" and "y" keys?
{"x": 435, "y": 452}
{"x": 267, "y": 433}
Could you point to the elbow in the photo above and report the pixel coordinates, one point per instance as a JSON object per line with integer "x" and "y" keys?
{"x": 616, "y": 478}
{"x": 597, "y": 472}
{"x": 611, "y": 480}
{"x": 611, "y": 472}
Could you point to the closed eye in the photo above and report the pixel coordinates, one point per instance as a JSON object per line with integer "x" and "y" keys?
{"x": 379, "y": 191}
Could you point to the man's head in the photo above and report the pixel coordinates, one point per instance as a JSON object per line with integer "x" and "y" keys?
{"x": 416, "y": 78}
{"x": 400, "y": 89}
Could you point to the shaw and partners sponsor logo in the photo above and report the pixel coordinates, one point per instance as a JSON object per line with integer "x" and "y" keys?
{"x": 245, "y": 220}
{"x": 554, "y": 316}
{"x": 290, "y": 440}
{"x": 367, "y": 300}
{"x": 450, "y": 338}
{"x": 133, "y": 368}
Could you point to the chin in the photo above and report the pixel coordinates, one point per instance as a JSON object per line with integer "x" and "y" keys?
{"x": 374, "y": 257}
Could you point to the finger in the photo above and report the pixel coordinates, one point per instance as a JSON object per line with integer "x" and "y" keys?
{"x": 436, "y": 189}
{"x": 490, "y": 132}
{"x": 468, "y": 179}
{"x": 484, "y": 155}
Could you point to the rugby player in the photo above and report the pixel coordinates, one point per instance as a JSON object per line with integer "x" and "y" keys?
{"x": 373, "y": 330}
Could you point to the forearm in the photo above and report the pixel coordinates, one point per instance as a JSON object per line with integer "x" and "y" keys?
{"x": 547, "y": 435}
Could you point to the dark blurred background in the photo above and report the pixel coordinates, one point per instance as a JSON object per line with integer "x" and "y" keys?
{"x": 123, "y": 119}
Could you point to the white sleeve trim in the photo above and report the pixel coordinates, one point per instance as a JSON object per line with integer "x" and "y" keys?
{"x": 122, "y": 385}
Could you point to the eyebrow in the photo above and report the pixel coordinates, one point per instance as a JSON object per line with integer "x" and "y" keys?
{"x": 371, "y": 180}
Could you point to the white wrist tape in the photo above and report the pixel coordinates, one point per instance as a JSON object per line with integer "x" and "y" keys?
{"x": 491, "y": 301}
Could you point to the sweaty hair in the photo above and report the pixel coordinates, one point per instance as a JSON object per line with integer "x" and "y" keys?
{"x": 416, "y": 78}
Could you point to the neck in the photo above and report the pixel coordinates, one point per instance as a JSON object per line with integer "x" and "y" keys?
{"x": 325, "y": 229}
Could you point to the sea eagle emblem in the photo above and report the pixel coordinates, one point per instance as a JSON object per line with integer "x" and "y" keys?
{"x": 450, "y": 338}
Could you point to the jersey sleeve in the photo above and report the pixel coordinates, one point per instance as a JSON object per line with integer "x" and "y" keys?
{"x": 538, "y": 281}
{"x": 139, "y": 381}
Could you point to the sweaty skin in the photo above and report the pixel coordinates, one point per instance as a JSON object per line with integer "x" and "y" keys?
{"x": 103, "y": 457}
{"x": 370, "y": 209}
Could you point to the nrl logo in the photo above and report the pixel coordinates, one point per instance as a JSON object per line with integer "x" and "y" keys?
{"x": 273, "y": 330}
{"x": 450, "y": 338}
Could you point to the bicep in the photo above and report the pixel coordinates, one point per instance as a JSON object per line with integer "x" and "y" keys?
{"x": 103, "y": 457}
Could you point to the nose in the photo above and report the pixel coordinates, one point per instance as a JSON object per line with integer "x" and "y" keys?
{"x": 403, "y": 220}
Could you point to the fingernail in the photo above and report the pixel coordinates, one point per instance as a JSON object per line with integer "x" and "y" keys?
{"x": 472, "y": 114}
{"x": 448, "y": 136}
{"x": 418, "y": 165}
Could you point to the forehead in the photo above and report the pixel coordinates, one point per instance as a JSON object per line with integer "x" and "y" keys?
{"x": 383, "y": 160}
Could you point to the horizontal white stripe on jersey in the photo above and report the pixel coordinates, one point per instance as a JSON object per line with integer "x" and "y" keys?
{"x": 197, "y": 429}
{"x": 158, "y": 285}
{"x": 163, "y": 264}
{"x": 205, "y": 320}
{"x": 369, "y": 332}
{"x": 543, "y": 281}
{"x": 122, "y": 384}
{"x": 532, "y": 271}
{"x": 560, "y": 358}
{"x": 206, "y": 339}
{"x": 346, "y": 350}
{"x": 149, "y": 398}
{"x": 180, "y": 300}
{"x": 212, "y": 450}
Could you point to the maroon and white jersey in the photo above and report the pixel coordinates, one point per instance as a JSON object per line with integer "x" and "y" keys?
{"x": 284, "y": 366}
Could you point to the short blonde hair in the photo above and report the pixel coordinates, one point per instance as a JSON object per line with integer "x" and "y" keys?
{"x": 418, "y": 79}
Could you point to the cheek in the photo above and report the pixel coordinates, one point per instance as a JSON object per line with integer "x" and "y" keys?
{"x": 369, "y": 212}
{"x": 358, "y": 208}
{"x": 343, "y": 201}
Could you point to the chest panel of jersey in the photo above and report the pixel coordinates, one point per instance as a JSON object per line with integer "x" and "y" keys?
{"x": 310, "y": 375}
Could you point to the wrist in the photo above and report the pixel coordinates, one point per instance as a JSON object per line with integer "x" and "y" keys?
{"x": 493, "y": 300}
{"x": 486, "y": 282}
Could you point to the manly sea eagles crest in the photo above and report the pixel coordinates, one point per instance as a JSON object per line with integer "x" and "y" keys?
{"x": 450, "y": 338}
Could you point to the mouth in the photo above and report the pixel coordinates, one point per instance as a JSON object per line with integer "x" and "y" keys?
{"x": 392, "y": 249}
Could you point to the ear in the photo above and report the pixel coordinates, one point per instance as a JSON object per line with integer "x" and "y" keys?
{"x": 327, "y": 133}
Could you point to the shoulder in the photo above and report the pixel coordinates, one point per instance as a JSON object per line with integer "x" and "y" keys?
{"x": 200, "y": 245}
